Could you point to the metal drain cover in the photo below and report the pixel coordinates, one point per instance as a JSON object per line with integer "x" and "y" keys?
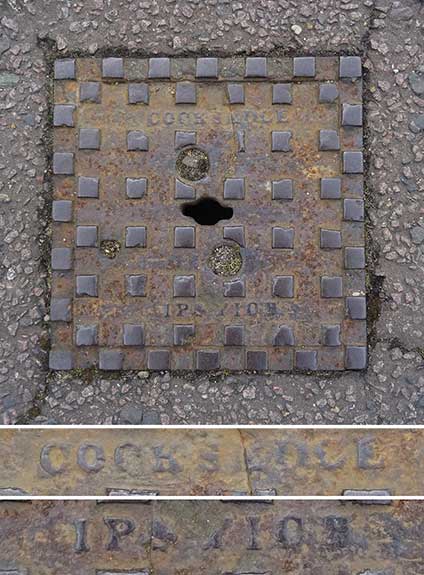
{"x": 276, "y": 140}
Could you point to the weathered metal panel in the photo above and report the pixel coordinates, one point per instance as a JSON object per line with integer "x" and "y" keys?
{"x": 137, "y": 282}
{"x": 211, "y": 461}
{"x": 211, "y": 538}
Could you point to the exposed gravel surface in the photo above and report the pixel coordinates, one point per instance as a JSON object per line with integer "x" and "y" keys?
{"x": 389, "y": 35}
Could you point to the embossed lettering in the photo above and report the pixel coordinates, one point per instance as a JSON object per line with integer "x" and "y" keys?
{"x": 81, "y": 536}
{"x": 337, "y": 531}
{"x": 46, "y": 458}
{"x": 320, "y": 451}
{"x": 118, "y": 528}
{"x": 215, "y": 540}
{"x": 366, "y": 454}
{"x": 83, "y": 457}
{"x": 253, "y": 544}
{"x": 290, "y": 531}
{"x": 286, "y": 447}
{"x": 165, "y": 462}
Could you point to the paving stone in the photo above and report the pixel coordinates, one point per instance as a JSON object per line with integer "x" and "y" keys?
{"x": 356, "y": 307}
{"x": 352, "y": 115}
{"x": 353, "y": 162}
{"x": 138, "y": 93}
{"x": 62, "y": 211}
{"x": 137, "y": 141}
{"x": 86, "y": 236}
{"x": 207, "y": 68}
{"x": 183, "y": 334}
{"x": 61, "y": 309}
{"x": 135, "y": 237}
{"x": 133, "y": 335}
{"x": 282, "y": 94}
{"x": 90, "y": 92}
{"x": 331, "y": 335}
{"x": 86, "y": 335}
{"x": 207, "y": 360}
{"x": 158, "y": 360}
{"x": 89, "y": 139}
{"x": 185, "y": 93}
{"x": 60, "y": 360}
{"x": 256, "y": 67}
{"x": 235, "y": 93}
{"x": 328, "y": 93}
{"x": 331, "y": 188}
{"x": 113, "y": 68}
{"x": 282, "y": 238}
{"x": 63, "y": 115}
{"x": 283, "y": 286}
{"x": 136, "y": 285}
{"x": 88, "y": 187}
{"x": 111, "y": 360}
{"x": 304, "y": 66}
{"x": 63, "y": 163}
{"x": 354, "y": 258}
{"x": 234, "y": 335}
{"x": 86, "y": 285}
{"x": 284, "y": 336}
{"x": 282, "y": 190}
{"x": 62, "y": 259}
{"x": 306, "y": 359}
{"x": 331, "y": 287}
{"x": 136, "y": 188}
{"x": 64, "y": 69}
{"x": 356, "y": 357}
{"x": 329, "y": 140}
{"x": 159, "y": 68}
{"x": 331, "y": 239}
{"x": 281, "y": 141}
{"x": 350, "y": 67}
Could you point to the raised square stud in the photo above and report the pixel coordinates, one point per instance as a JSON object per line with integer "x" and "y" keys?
{"x": 234, "y": 189}
{"x": 256, "y": 67}
{"x": 86, "y": 335}
{"x": 356, "y": 357}
{"x": 330, "y": 239}
{"x": 86, "y": 236}
{"x": 184, "y": 286}
{"x": 234, "y": 288}
{"x": 113, "y": 68}
{"x": 234, "y": 233}
{"x": 304, "y": 66}
{"x": 331, "y": 188}
{"x": 282, "y": 94}
{"x": 329, "y": 140}
{"x": 159, "y": 68}
{"x": 61, "y": 360}
{"x": 207, "y": 68}
{"x": 64, "y": 69}
{"x": 353, "y": 210}
{"x": 136, "y": 188}
{"x": 235, "y": 93}
{"x": 282, "y": 238}
{"x": 158, "y": 360}
{"x": 185, "y": 93}
{"x": 256, "y": 360}
{"x": 111, "y": 360}
{"x": 331, "y": 335}
{"x": 354, "y": 258}
{"x": 234, "y": 335}
{"x": 350, "y": 67}
{"x": 138, "y": 93}
{"x": 352, "y": 115}
{"x": 90, "y": 92}
{"x": 283, "y": 286}
{"x": 133, "y": 335}
{"x": 183, "y": 334}
{"x": 137, "y": 141}
{"x": 207, "y": 360}
{"x": 353, "y": 162}
{"x": 184, "y": 237}
{"x": 331, "y": 286}
{"x": 63, "y": 115}
{"x": 62, "y": 211}
{"x": 61, "y": 259}
{"x": 281, "y": 141}
{"x": 328, "y": 93}
{"x": 306, "y": 359}
{"x": 184, "y": 191}
{"x": 89, "y": 139}
{"x": 356, "y": 307}
{"x": 88, "y": 187}
{"x": 136, "y": 286}
{"x": 282, "y": 189}
{"x": 184, "y": 139}
{"x": 61, "y": 309}
{"x": 284, "y": 336}
{"x": 86, "y": 286}
{"x": 63, "y": 163}
{"x": 135, "y": 237}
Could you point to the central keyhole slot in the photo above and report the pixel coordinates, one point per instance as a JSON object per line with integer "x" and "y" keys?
{"x": 207, "y": 211}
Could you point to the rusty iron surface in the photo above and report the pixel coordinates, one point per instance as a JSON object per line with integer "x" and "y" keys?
{"x": 211, "y": 538}
{"x": 212, "y": 461}
{"x": 250, "y": 319}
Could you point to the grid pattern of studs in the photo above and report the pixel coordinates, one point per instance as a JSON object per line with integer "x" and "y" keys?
{"x": 284, "y": 141}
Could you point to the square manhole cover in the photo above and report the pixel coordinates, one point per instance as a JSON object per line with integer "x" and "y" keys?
{"x": 208, "y": 213}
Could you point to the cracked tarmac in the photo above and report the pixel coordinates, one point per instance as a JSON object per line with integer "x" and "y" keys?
{"x": 388, "y": 36}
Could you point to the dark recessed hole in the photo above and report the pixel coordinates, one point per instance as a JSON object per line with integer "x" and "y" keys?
{"x": 207, "y": 211}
